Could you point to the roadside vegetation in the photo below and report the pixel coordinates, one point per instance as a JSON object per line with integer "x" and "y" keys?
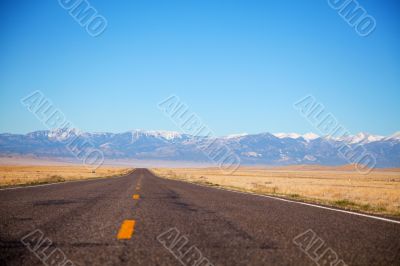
{"x": 17, "y": 175}
{"x": 377, "y": 193}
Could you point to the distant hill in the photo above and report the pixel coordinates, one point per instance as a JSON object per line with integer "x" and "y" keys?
{"x": 252, "y": 149}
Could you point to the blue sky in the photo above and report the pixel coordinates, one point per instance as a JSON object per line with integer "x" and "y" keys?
{"x": 240, "y": 65}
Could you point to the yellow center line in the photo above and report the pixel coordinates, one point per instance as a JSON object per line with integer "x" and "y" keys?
{"x": 126, "y": 230}
{"x": 136, "y": 196}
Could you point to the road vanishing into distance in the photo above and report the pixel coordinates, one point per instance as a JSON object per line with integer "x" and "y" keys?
{"x": 142, "y": 219}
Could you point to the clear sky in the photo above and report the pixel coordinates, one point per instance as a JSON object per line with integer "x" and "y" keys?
{"x": 239, "y": 64}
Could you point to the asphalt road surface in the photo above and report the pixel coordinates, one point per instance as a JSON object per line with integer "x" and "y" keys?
{"x": 101, "y": 222}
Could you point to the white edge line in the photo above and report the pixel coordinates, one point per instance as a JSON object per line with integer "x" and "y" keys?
{"x": 65, "y": 182}
{"x": 298, "y": 202}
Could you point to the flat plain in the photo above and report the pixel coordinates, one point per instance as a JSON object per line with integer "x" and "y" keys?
{"x": 22, "y": 175}
{"x": 84, "y": 221}
{"x": 377, "y": 192}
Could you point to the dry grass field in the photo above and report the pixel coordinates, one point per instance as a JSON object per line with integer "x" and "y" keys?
{"x": 18, "y": 175}
{"x": 377, "y": 192}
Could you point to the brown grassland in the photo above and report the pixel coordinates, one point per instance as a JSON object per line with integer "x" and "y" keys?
{"x": 18, "y": 175}
{"x": 377, "y": 192}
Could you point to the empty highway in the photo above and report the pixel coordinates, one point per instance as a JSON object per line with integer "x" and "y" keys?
{"x": 132, "y": 220}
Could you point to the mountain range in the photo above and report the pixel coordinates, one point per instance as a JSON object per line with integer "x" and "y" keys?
{"x": 260, "y": 149}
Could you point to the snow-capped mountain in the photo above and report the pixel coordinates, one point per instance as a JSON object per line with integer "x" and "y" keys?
{"x": 168, "y": 135}
{"x": 361, "y": 137}
{"x": 395, "y": 136}
{"x": 307, "y": 136}
{"x": 263, "y": 148}
{"x": 236, "y": 136}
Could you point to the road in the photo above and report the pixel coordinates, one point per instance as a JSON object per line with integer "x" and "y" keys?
{"x": 99, "y": 222}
